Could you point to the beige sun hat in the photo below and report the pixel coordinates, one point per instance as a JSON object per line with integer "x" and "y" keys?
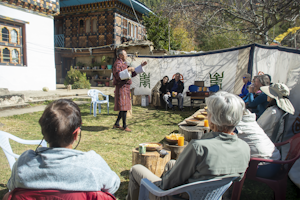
{"x": 280, "y": 92}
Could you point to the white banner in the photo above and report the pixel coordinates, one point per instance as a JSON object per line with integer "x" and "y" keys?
{"x": 216, "y": 68}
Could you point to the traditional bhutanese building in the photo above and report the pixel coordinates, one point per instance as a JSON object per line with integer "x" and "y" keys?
{"x": 27, "y": 44}
{"x": 87, "y": 30}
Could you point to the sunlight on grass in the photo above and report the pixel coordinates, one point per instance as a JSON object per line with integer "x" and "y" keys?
{"x": 115, "y": 146}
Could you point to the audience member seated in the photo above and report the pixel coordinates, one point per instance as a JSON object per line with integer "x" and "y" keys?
{"x": 175, "y": 88}
{"x": 60, "y": 167}
{"x": 278, "y": 96}
{"x": 158, "y": 91}
{"x": 246, "y": 80}
{"x": 260, "y": 144}
{"x": 256, "y": 91}
{"x": 220, "y": 154}
{"x": 259, "y": 104}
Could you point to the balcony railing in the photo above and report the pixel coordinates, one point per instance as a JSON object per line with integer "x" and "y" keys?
{"x": 59, "y": 40}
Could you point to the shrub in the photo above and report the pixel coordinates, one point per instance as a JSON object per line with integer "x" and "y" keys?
{"x": 76, "y": 79}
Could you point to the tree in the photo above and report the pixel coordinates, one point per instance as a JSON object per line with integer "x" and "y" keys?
{"x": 159, "y": 32}
{"x": 252, "y": 17}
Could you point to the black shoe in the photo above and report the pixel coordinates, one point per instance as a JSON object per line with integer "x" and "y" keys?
{"x": 181, "y": 109}
{"x": 173, "y": 109}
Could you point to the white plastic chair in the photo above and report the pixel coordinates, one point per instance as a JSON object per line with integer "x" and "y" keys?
{"x": 5, "y": 145}
{"x": 200, "y": 190}
{"x": 95, "y": 101}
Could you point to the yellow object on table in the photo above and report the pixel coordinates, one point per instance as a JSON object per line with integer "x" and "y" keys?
{"x": 204, "y": 89}
{"x": 200, "y": 89}
{"x": 181, "y": 141}
{"x": 206, "y": 123}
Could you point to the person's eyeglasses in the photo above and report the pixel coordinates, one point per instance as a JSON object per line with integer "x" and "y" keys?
{"x": 244, "y": 77}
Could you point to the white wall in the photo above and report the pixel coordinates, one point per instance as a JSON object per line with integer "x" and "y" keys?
{"x": 40, "y": 70}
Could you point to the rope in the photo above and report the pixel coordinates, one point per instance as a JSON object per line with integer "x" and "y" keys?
{"x": 134, "y": 11}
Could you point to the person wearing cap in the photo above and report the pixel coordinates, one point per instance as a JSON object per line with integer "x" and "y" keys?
{"x": 246, "y": 80}
{"x": 259, "y": 104}
{"x": 279, "y": 103}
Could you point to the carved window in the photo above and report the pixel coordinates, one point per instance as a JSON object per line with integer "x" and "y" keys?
{"x": 15, "y": 56}
{"x": 13, "y": 36}
{"x": 94, "y": 25}
{"x": 6, "y": 55}
{"x": 128, "y": 28}
{"x": 12, "y": 41}
{"x": 87, "y": 26}
{"x": 5, "y": 34}
{"x": 81, "y": 27}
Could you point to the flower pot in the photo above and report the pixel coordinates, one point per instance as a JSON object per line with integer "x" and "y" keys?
{"x": 103, "y": 66}
{"x": 109, "y": 66}
{"x": 107, "y": 84}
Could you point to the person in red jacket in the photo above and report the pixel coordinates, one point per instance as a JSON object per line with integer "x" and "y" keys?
{"x": 122, "y": 81}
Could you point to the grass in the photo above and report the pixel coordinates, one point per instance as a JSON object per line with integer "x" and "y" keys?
{"x": 115, "y": 146}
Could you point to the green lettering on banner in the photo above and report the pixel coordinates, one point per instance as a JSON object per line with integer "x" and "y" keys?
{"x": 145, "y": 79}
{"x": 216, "y": 79}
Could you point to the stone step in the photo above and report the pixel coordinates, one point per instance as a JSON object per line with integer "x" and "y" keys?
{"x": 14, "y": 106}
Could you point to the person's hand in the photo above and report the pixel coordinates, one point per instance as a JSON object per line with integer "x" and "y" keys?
{"x": 144, "y": 63}
{"x": 175, "y": 93}
{"x": 168, "y": 93}
{"x": 130, "y": 69}
{"x": 251, "y": 89}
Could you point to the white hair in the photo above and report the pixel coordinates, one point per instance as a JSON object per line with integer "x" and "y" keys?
{"x": 119, "y": 52}
{"x": 225, "y": 110}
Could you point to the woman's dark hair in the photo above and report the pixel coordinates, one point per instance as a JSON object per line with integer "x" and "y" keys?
{"x": 272, "y": 103}
{"x": 58, "y": 122}
{"x": 167, "y": 77}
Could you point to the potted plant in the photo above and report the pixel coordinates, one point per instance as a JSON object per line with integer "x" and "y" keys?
{"x": 103, "y": 62}
{"x": 109, "y": 60}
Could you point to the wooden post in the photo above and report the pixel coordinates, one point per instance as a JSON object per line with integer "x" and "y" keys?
{"x": 151, "y": 160}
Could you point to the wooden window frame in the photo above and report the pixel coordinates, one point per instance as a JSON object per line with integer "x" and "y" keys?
{"x": 20, "y": 46}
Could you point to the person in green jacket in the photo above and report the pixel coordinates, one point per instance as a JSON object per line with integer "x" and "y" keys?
{"x": 219, "y": 154}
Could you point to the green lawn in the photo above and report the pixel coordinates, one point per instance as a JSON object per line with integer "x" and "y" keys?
{"x": 115, "y": 146}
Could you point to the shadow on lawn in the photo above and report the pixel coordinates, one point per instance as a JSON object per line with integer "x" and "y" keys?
{"x": 94, "y": 128}
{"x": 122, "y": 192}
{"x": 4, "y": 191}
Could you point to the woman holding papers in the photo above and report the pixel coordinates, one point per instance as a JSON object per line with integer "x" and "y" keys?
{"x": 122, "y": 81}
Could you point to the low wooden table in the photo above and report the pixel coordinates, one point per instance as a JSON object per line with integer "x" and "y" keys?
{"x": 175, "y": 149}
{"x": 193, "y": 132}
{"x": 151, "y": 160}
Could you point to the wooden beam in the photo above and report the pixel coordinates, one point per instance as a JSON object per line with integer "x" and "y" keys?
{"x": 25, "y": 4}
{"x": 30, "y": 7}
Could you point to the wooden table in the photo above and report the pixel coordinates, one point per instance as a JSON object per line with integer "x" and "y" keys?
{"x": 175, "y": 149}
{"x": 151, "y": 160}
{"x": 193, "y": 132}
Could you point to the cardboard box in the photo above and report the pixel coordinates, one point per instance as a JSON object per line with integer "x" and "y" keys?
{"x": 199, "y": 83}
{"x": 136, "y": 100}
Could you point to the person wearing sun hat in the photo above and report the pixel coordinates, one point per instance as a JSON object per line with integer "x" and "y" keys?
{"x": 279, "y": 103}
